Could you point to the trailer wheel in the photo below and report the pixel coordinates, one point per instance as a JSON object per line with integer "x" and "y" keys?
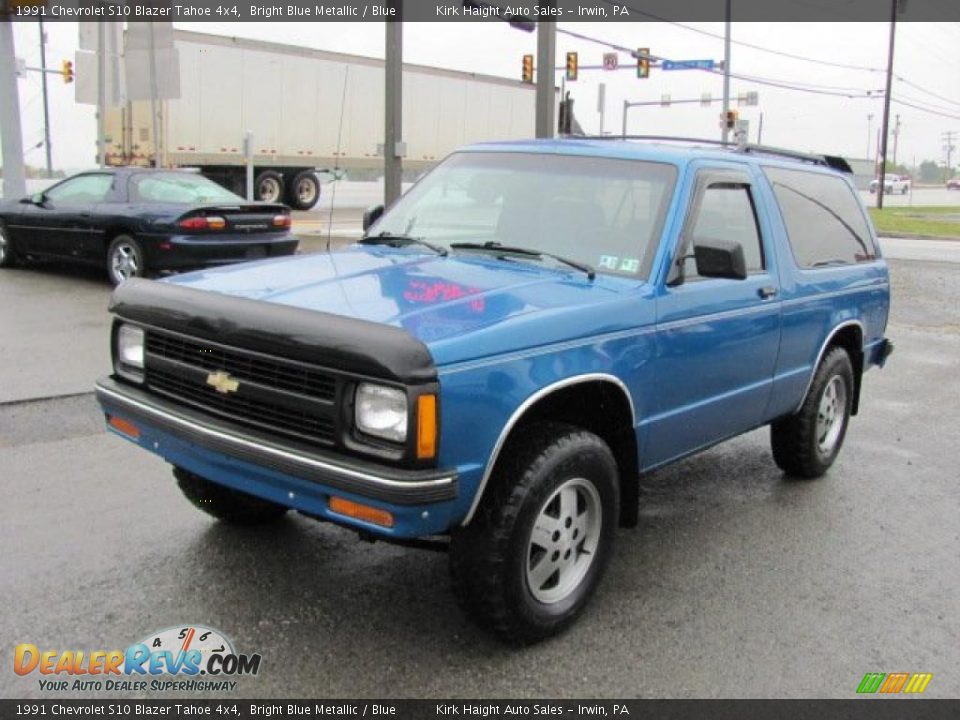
{"x": 304, "y": 191}
{"x": 269, "y": 186}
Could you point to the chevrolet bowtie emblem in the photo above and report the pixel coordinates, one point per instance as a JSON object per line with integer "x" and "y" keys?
{"x": 222, "y": 382}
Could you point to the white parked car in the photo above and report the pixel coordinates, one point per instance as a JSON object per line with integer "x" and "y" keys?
{"x": 892, "y": 184}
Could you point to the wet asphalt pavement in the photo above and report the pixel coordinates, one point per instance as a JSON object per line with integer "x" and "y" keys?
{"x": 737, "y": 583}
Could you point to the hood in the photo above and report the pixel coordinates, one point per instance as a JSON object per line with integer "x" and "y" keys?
{"x": 462, "y": 306}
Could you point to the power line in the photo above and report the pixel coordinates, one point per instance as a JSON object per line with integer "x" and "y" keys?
{"x": 773, "y": 82}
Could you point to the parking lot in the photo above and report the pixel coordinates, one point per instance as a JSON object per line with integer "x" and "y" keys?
{"x": 737, "y": 583}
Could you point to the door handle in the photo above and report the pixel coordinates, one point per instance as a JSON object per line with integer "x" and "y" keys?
{"x": 768, "y": 291}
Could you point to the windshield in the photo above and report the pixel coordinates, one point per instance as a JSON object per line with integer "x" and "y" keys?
{"x": 598, "y": 211}
{"x": 178, "y": 187}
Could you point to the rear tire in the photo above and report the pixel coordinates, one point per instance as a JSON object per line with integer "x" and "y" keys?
{"x": 806, "y": 444}
{"x": 125, "y": 259}
{"x": 225, "y": 504}
{"x": 8, "y": 252}
{"x": 531, "y": 558}
{"x": 303, "y": 191}
{"x": 268, "y": 186}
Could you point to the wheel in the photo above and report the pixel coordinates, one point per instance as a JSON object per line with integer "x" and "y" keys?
{"x": 304, "y": 191}
{"x": 269, "y": 186}
{"x": 230, "y": 506}
{"x": 806, "y": 444}
{"x": 125, "y": 259}
{"x": 530, "y": 559}
{"x": 8, "y": 254}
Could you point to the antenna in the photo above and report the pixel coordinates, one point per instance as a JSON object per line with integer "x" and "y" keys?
{"x": 336, "y": 163}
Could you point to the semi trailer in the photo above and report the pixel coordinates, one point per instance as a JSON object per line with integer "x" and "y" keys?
{"x": 305, "y": 111}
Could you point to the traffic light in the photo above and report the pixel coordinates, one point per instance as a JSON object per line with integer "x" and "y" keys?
{"x": 571, "y": 66}
{"x": 66, "y": 69}
{"x": 730, "y": 119}
{"x": 643, "y": 63}
{"x": 527, "y": 75}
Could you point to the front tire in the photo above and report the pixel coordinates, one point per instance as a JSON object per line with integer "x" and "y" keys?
{"x": 225, "y": 504}
{"x": 125, "y": 259}
{"x": 533, "y": 555}
{"x": 806, "y": 444}
{"x": 8, "y": 253}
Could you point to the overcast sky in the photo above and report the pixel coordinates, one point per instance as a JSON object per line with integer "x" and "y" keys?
{"x": 926, "y": 57}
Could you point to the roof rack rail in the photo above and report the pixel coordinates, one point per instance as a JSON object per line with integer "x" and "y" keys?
{"x": 832, "y": 161}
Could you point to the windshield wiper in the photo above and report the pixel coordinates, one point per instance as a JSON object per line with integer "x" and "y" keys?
{"x": 496, "y": 247}
{"x": 400, "y": 240}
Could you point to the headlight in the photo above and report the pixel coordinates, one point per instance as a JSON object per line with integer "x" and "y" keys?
{"x": 129, "y": 362}
{"x": 381, "y": 411}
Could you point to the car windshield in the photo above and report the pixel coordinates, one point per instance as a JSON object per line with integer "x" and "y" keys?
{"x": 178, "y": 187}
{"x": 601, "y": 212}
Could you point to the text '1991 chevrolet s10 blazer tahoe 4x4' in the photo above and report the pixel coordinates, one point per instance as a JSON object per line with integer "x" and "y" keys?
{"x": 526, "y": 331}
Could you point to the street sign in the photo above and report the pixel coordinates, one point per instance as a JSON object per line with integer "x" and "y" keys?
{"x": 687, "y": 65}
{"x": 610, "y": 61}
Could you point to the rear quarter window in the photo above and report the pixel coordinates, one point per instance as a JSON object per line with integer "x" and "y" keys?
{"x": 824, "y": 219}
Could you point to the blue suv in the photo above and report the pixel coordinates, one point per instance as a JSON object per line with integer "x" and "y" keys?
{"x": 521, "y": 336}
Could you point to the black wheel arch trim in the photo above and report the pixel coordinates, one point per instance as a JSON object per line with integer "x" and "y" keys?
{"x": 367, "y": 479}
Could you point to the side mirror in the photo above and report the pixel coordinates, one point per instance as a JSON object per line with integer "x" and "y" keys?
{"x": 720, "y": 259}
{"x": 371, "y": 215}
{"x": 35, "y": 199}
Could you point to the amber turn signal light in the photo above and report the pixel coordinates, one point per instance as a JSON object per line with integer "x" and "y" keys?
{"x": 426, "y": 427}
{"x": 360, "y": 512}
{"x": 124, "y": 426}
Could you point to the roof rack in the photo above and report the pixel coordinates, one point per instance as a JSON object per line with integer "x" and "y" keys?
{"x": 832, "y": 161}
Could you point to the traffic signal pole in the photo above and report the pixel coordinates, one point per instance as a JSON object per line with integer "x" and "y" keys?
{"x": 725, "y": 132}
{"x": 546, "y": 54}
{"x": 46, "y": 105}
{"x": 14, "y": 179}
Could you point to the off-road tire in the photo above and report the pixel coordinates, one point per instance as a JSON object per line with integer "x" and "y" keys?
{"x": 225, "y": 504}
{"x": 794, "y": 439}
{"x": 488, "y": 557}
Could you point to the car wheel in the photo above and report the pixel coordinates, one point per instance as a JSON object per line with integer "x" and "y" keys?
{"x": 230, "y": 506}
{"x": 125, "y": 259}
{"x": 806, "y": 444}
{"x": 529, "y": 561}
{"x": 269, "y": 186}
{"x": 8, "y": 254}
{"x": 304, "y": 191}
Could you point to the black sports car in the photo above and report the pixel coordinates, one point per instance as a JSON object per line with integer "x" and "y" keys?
{"x": 137, "y": 221}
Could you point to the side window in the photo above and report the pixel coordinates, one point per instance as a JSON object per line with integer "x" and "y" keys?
{"x": 82, "y": 189}
{"x": 726, "y": 213}
{"x": 825, "y": 222}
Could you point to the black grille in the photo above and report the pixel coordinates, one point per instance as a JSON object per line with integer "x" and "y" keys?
{"x": 272, "y": 394}
{"x": 243, "y": 366}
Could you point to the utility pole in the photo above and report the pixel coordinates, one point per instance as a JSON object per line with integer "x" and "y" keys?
{"x": 948, "y": 147}
{"x": 725, "y": 131}
{"x": 869, "y": 133}
{"x": 882, "y": 169}
{"x": 393, "y": 132}
{"x": 896, "y": 138}
{"x": 601, "y": 103}
{"x": 157, "y": 159}
{"x": 546, "y": 57}
{"x": 760, "y": 131}
{"x": 46, "y": 106}
{"x": 14, "y": 181}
